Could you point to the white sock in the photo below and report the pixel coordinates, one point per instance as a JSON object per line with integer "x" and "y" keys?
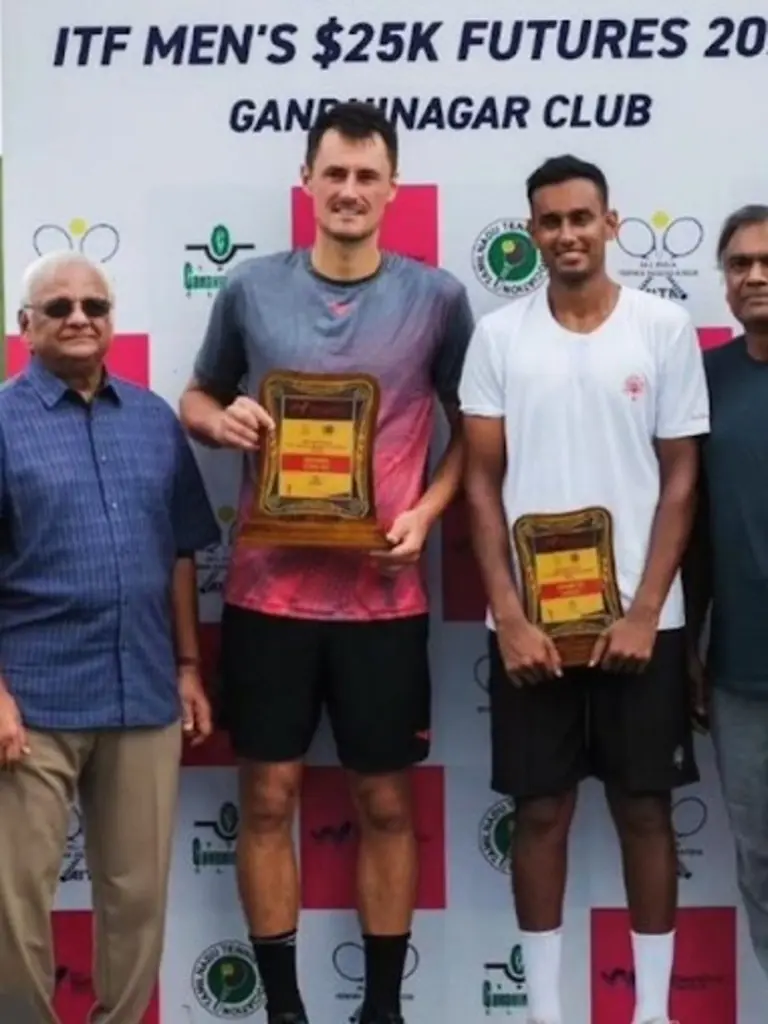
{"x": 541, "y": 961}
{"x": 653, "y": 956}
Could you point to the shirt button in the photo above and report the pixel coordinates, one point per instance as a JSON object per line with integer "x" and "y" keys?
{"x": 103, "y": 458}
{"x": 114, "y": 504}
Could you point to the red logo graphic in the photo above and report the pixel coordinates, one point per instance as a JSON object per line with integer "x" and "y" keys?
{"x": 703, "y": 975}
{"x": 216, "y": 751}
{"x": 634, "y": 386}
{"x": 72, "y": 942}
{"x": 329, "y": 839}
{"x": 714, "y": 337}
{"x": 410, "y": 225}
{"x": 127, "y": 358}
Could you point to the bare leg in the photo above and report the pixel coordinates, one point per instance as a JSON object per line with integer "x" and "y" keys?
{"x": 387, "y": 878}
{"x": 539, "y": 869}
{"x": 649, "y": 856}
{"x": 267, "y": 876}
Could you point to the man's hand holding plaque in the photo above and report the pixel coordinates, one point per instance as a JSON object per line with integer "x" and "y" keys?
{"x": 241, "y": 424}
{"x": 407, "y": 535}
{"x": 529, "y": 655}
{"x": 627, "y": 645}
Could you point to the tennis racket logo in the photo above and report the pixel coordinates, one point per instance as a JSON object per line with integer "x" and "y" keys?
{"x": 98, "y": 242}
{"x": 506, "y": 260}
{"x": 226, "y": 983}
{"x": 659, "y": 245}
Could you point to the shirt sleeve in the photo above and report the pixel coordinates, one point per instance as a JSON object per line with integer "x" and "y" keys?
{"x": 194, "y": 524}
{"x": 452, "y": 347}
{"x": 682, "y": 406}
{"x": 221, "y": 362}
{"x": 481, "y": 391}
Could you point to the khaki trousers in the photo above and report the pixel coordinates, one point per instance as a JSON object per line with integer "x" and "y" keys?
{"x": 127, "y": 782}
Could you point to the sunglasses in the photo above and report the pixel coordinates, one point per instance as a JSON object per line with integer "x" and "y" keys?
{"x": 60, "y": 309}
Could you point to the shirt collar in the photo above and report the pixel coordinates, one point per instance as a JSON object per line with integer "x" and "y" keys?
{"x": 51, "y": 389}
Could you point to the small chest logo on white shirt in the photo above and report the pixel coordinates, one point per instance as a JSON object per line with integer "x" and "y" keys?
{"x": 634, "y": 386}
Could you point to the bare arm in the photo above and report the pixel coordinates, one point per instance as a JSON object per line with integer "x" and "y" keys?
{"x": 446, "y": 480}
{"x": 213, "y": 408}
{"x": 200, "y": 412}
{"x": 672, "y": 524}
{"x": 219, "y": 421}
{"x": 483, "y": 480}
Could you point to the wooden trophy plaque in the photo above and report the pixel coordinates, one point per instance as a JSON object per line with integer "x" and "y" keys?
{"x": 569, "y": 580}
{"x": 315, "y": 480}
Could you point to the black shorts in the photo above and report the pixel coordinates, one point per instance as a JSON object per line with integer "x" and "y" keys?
{"x": 373, "y": 678}
{"x": 633, "y": 732}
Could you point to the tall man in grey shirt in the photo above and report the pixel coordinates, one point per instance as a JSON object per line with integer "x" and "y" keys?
{"x": 727, "y": 567}
{"x": 304, "y": 627}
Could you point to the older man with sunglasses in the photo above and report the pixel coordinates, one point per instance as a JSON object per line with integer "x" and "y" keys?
{"x": 101, "y": 510}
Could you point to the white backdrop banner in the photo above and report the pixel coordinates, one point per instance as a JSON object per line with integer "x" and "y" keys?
{"x": 166, "y": 142}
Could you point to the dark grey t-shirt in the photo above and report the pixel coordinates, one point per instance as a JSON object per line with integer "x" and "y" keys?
{"x": 736, "y": 475}
{"x": 409, "y": 326}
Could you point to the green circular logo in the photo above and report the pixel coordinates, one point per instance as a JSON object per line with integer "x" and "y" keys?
{"x": 226, "y": 983}
{"x": 516, "y": 968}
{"x": 496, "y": 834}
{"x": 221, "y": 243}
{"x": 229, "y": 820}
{"x": 506, "y": 261}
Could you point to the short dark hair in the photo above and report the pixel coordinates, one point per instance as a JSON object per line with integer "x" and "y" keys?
{"x": 356, "y": 121}
{"x": 745, "y": 217}
{"x": 559, "y": 169}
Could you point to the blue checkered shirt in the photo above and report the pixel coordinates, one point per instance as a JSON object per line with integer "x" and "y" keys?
{"x": 98, "y": 501}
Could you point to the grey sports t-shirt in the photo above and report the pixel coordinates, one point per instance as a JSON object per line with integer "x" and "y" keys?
{"x": 408, "y": 325}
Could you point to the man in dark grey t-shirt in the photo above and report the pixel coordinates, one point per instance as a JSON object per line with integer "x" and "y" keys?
{"x": 304, "y": 628}
{"x": 727, "y": 568}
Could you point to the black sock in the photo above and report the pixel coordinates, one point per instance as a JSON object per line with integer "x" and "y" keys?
{"x": 384, "y": 964}
{"x": 275, "y": 958}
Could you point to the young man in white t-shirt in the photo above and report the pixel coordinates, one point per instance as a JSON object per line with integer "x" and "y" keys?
{"x": 582, "y": 394}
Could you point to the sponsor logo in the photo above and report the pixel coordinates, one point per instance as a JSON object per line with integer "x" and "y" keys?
{"x": 481, "y": 672}
{"x": 505, "y": 259}
{"x": 213, "y": 561}
{"x": 495, "y": 838}
{"x": 661, "y": 248}
{"x": 98, "y": 242}
{"x": 703, "y": 983}
{"x": 329, "y": 837}
{"x": 624, "y": 977}
{"x": 689, "y": 817}
{"x": 349, "y": 964}
{"x": 504, "y": 984}
{"x": 73, "y": 995}
{"x": 225, "y": 981}
{"x": 215, "y": 848}
{"x": 215, "y": 255}
{"x": 73, "y": 865}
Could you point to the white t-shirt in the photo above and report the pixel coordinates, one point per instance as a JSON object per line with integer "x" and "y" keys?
{"x": 581, "y": 412}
